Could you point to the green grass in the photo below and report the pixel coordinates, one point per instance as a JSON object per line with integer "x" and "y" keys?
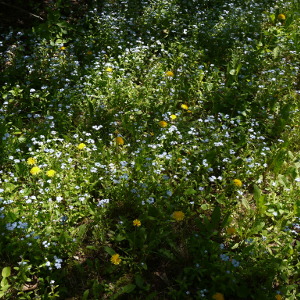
{"x": 150, "y": 151}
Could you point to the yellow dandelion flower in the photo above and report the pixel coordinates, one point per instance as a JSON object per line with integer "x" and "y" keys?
{"x": 115, "y": 259}
{"x": 231, "y": 230}
{"x": 35, "y": 170}
{"x": 119, "y": 140}
{"x": 31, "y": 161}
{"x": 50, "y": 173}
{"x": 237, "y": 183}
{"x": 278, "y": 297}
{"x": 109, "y": 69}
{"x": 178, "y": 215}
{"x": 170, "y": 74}
{"x": 218, "y": 296}
{"x": 62, "y": 48}
{"x": 173, "y": 117}
{"x": 81, "y": 146}
{"x": 281, "y": 17}
{"x": 137, "y": 223}
{"x": 163, "y": 124}
{"x": 184, "y": 106}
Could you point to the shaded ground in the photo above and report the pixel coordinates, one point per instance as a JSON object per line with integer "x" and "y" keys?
{"x": 25, "y": 14}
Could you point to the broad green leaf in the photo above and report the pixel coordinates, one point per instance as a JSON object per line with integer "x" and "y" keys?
{"x": 190, "y": 191}
{"x": 238, "y": 68}
{"x": 109, "y": 250}
{"x": 91, "y": 108}
{"x": 120, "y": 237}
{"x": 257, "y": 228}
{"x": 91, "y": 247}
{"x": 6, "y": 272}
{"x": 216, "y": 217}
{"x": 3, "y": 282}
{"x": 139, "y": 281}
{"x": 204, "y": 206}
{"x": 128, "y": 288}
{"x": 82, "y": 230}
{"x": 275, "y": 52}
{"x": 85, "y": 295}
{"x": 257, "y": 192}
{"x": 245, "y": 203}
{"x": 4, "y": 288}
{"x": 236, "y": 245}
{"x": 225, "y": 220}
{"x": 260, "y": 199}
{"x": 166, "y": 253}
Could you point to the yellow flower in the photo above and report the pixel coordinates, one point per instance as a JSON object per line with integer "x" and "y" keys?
{"x": 31, "y": 161}
{"x": 281, "y": 17}
{"x": 81, "y": 146}
{"x": 115, "y": 259}
{"x": 237, "y": 182}
{"x": 137, "y": 223}
{"x": 89, "y": 53}
{"x": 62, "y": 48}
{"x": 50, "y": 173}
{"x": 163, "y": 124}
{"x": 119, "y": 140}
{"x": 35, "y": 170}
{"x": 170, "y": 74}
{"x": 109, "y": 69}
{"x": 184, "y": 106}
{"x": 173, "y": 117}
{"x": 278, "y": 297}
{"x": 178, "y": 215}
{"x": 231, "y": 230}
{"x": 218, "y": 296}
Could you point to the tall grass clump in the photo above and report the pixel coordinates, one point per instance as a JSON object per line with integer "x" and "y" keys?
{"x": 150, "y": 150}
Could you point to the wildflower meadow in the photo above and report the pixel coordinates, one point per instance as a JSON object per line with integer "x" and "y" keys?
{"x": 149, "y": 150}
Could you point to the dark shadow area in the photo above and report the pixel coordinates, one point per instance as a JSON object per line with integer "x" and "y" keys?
{"x": 21, "y": 14}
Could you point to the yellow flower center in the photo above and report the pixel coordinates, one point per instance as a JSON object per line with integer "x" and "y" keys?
{"x": 184, "y": 106}
{"x": 163, "y": 124}
{"x": 35, "y": 170}
{"x": 31, "y": 161}
{"x": 218, "y": 296}
{"x": 281, "y": 17}
{"x": 137, "y": 223}
{"x": 50, "y": 173}
{"x": 119, "y": 140}
{"x": 178, "y": 215}
{"x": 170, "y": 74}
{"x": 115, "y": 259}
{"x": 81, "y": 146}
{"x": 237, "y": 182}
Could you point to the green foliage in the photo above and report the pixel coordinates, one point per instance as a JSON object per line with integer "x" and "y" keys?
{"x": 151, "y": 151}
